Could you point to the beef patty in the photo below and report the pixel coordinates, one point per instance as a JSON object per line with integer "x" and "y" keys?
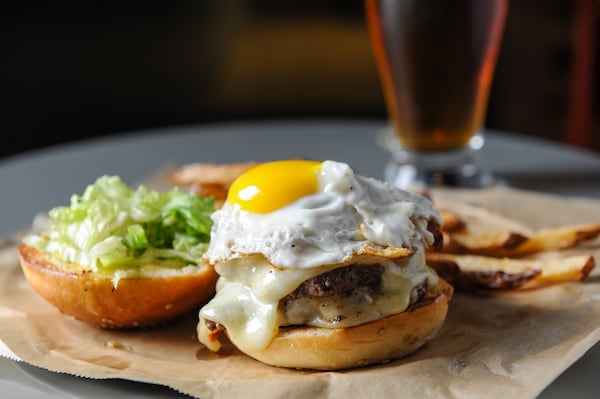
{"x": 340, "y": 281}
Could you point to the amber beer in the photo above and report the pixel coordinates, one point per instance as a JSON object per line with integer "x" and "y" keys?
{"x": 436, "y": 59}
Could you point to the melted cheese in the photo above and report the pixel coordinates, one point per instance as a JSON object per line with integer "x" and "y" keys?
{"x": 249, "y": 291}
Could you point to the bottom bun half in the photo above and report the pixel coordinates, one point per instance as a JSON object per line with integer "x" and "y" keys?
{"x": 136, "y": 302}
{"x": 379, "y": 341}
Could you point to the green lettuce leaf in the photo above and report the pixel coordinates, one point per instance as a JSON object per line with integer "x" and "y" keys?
{"x": 113, "y": 227}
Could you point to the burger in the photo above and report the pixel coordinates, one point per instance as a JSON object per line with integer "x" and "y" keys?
{"x": 322, "y": 268}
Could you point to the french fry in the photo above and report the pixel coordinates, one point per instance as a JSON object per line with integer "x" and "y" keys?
{"x": 479, "y": 278}
{"x": 511, "y": 244}
{"x": 209, "y": 179}
{"x": 483, "y": 273}
{"x": 445, "y": 268}
{"x": 495, "y": 243}
{"x": 452, "y": 221}
{"x": 217, "y": 191}
{"x": 209, "y": 173}
{"x": 558, "y": 238}
{"x": 477, "y": 219}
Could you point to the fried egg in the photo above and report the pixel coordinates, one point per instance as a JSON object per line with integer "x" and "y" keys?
{"x": 303, "y": 214}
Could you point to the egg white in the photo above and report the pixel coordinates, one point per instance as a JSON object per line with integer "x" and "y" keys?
{"x": 347, "y": 213}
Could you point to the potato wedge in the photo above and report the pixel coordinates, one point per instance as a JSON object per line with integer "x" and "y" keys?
{"x": 478, "y": 280}
{"x": 477, "y": 219}
{"x": 217, "y": 191}
{"x": 496, "y": 243}
{"x": 445, "y": 268}
{"x": 452, "y": 221}
{"x": 558, "y": 238}
{"x": 211, "y": 173}
{"x": 512, "y": 244}
{"x": 484, "y": 273}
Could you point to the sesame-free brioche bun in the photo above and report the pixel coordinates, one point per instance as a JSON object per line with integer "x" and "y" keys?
{"x": 379, "y": 341}
{"x": 135, "y": 302}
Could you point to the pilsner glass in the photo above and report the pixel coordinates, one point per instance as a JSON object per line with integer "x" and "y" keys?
{"x": 436, "y": 60}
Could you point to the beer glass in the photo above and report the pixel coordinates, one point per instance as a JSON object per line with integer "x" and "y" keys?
{"x": 436, "y": 60}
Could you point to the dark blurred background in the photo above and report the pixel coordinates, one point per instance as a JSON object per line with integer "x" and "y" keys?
{"x": 72, "y": 70}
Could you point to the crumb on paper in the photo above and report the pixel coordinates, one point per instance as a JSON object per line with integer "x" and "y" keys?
{"x": 117, "y": 345}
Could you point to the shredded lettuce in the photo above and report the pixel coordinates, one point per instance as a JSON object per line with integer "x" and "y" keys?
{"x": 115, "y": 229}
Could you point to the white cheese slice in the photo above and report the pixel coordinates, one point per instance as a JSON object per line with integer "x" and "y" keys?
{"x": 247, "y": 302}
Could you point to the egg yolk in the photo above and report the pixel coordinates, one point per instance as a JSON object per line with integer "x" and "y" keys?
{"x": 270, "y": 186}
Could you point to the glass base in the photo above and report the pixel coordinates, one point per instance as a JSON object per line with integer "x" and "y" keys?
{"x": 417, "y": 171}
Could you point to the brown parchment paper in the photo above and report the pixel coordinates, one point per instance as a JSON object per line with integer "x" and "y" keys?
{"x": 511, "y": 345}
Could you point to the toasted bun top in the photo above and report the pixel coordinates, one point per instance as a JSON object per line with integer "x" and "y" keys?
{"x": 135, "y": 302}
